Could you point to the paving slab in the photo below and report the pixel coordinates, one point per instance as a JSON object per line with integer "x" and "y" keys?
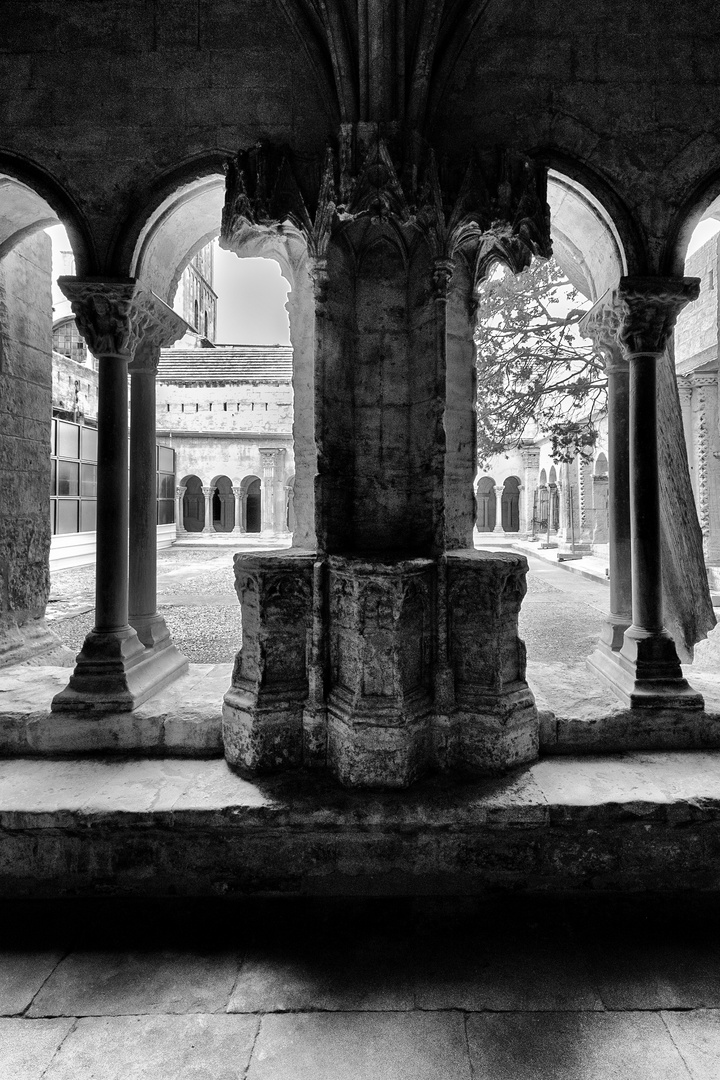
{"x": 156, "y": 1048}
{"x": 360, "y": 1046}
{"x": 656, "y": 974}
{"x": 22, "y": 973}
{"x": 375, "y": 974}
{"x": 99, "y": 983}
{"x": 573, "y": 1046}
{"x": 697, "y": 1037}
{"x": 505, "y": 973}
{"x": 28, "y": 1046}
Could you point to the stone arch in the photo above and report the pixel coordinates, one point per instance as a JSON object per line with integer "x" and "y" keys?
{"x": 193, "y": 503}
{"x": 510, "y": 504}
{"x": 486, "y": 504}
{"x": 702, "y": 202}
{"x": 31, "y": 200}
{"x": 252, "y": 503}
{"x": 223, "y": 504}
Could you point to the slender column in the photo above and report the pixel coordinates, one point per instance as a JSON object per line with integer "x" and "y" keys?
{"x": 278, "y": 494}
{"x": 150, "y": 626}
{"x": 269, "y": 470}
{"x": 603, "y": 327}
{"x": 238, "y": 528}
{"x": 531, "y": 465}
{"x": 180, "y": 510}
{"x": 651, "y": 668}
{"x": 703, "y": 386}
{"x": 208, "y": 492}
{"x": 111, "y": 672}
{"x": 498, "y": 509}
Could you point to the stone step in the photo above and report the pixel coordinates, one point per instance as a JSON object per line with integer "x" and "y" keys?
{"x": 637, "y": 821}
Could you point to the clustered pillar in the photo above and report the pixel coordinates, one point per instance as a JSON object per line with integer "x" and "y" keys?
{"x": 128, "y": 655}
{"x": 391, "y": 646}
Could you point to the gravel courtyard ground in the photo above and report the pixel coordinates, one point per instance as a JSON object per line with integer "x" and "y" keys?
{"x": 560, "y": 617}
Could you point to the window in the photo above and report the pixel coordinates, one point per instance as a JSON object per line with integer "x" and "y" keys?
{"x": 165, "y": 485}
{"x": 73, "y": 477}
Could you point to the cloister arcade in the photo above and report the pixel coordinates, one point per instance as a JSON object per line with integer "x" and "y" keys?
{"x": 373, "y": 645}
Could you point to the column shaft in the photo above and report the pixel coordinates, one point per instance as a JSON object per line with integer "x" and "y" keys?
{"x": 619, "y": 555}
{"x": 645, "y": 495}
{"x": 111, "y": 581}
{"x": 143, "y": 502}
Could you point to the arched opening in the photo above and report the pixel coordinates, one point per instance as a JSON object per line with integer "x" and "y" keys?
{"x": 223, "y": 503}
{"x": 252, "y": 504}
{"x": 193, "y": 504}
{"x": 601, "y": 465}
{"x": 485, "y": 504}
{"x": 510, "y": 505}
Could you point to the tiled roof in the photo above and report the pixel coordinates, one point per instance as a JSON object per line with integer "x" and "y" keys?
{"x": 226, "y": 363}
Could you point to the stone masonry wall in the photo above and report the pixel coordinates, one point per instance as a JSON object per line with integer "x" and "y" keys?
{"x": 696, "y": 330}
{"x": 248, "y": 406}
{"x": 25, "y": 410}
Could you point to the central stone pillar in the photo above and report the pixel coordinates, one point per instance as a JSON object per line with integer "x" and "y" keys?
{"x": 391, "y": 646}
{"x": 180, "y": 511}
{"x": 498, "y": 493}
{"x": 114, "y": 670}
{"x": 208, "y": 527}
{"x": 238, "y": 528}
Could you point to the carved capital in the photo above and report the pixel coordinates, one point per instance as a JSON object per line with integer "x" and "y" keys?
{"x": 180, "y": 491}
{"x": 114, "y": 317}
{"x": 685, "y": 389}
{"x": 207, "y": 490}
{"x": 491, "y": 207}
{"x": 602, "y": 324}
{"x": 237, "y": 491}
{"x": 442, "y": 275}
{"x": 649, "y": 307}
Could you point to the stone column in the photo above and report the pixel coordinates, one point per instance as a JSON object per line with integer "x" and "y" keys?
{"x": 238, "y": 528}
{"x": 142, "y": 593}
{"x": 498, "y": 509}
{"x": 180, "y": 511}
{"x": 208, "y": 527}
{"x": 531, "y": 468}
{"x": 649, "y": 674}
{"x": 602, "y": 324}
{"x": 269, "y": 459}
{"x": 114, "y": 671}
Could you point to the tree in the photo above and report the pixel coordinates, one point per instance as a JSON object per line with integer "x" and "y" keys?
{"x": 536, "y": 374}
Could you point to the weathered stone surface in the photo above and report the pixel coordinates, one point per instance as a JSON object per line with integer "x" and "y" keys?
{"x": 21, "y": 976}
{"x": 101, "y": 983}
{"x": 185, "y": 721}
{"x": 640, "y": 821}
{"x": 27, "y": 1047}
{"x": 157, "y": 1048}
{"x": 324, "y": 1046}
{"x": 697, "y": 1037}
{"x": 573, "y": 1046}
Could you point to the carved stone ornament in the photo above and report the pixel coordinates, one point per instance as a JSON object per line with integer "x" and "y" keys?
{"x": 602, "y": 324}
{"x": 494, "y": 205}
{"x": 115, "y": 317}
{"x": 648, "y": 309}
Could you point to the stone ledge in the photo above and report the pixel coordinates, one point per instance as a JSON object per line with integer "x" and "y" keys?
{"x": 184, "y": 720}
{"x": 171, "y": 827}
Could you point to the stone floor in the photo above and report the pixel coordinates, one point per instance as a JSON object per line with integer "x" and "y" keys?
{"x": 373, "y": 990}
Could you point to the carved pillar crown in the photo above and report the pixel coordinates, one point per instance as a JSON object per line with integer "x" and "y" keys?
{"x": 648, "y": 309}
{"x": 123, "y": 319}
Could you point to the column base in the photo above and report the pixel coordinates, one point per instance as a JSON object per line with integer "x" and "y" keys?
{"x": 262, "y": 735}
{"x": 380, "y": 746}
{"x": 116, "y": 673}
{"x": 645, "y": 673}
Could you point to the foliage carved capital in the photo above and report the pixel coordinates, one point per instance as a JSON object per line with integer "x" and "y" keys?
{"x": 116, "y": 318}
{"x": 648, "y": 308}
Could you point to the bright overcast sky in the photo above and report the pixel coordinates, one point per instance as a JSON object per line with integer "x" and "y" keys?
{"x": 251, "y": 301}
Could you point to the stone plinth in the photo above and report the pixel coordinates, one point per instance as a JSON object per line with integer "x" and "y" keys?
{"x": 380, "y": 704}
{"x": 495, "y": 721}
{"x": 380, "y": 669}
{"x": 263, "y": 709}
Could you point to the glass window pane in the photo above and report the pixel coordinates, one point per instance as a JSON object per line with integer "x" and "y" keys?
{"x": 166, "y": 484}
{"x": 53, "y": 507}
{"x": 67, "y": 516}
{"x": 166, "y": 511}
{"x": 67, "y": 477}
{"x": 53, "y": 475}
{"x": 68, "y": 440}
{"x": 89, "y": 444}
{"x": 88, "y": 515}
{"x": 53, "y": 427}
{"x": 166, "y": 456}
{"x": 88, "y": 481}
